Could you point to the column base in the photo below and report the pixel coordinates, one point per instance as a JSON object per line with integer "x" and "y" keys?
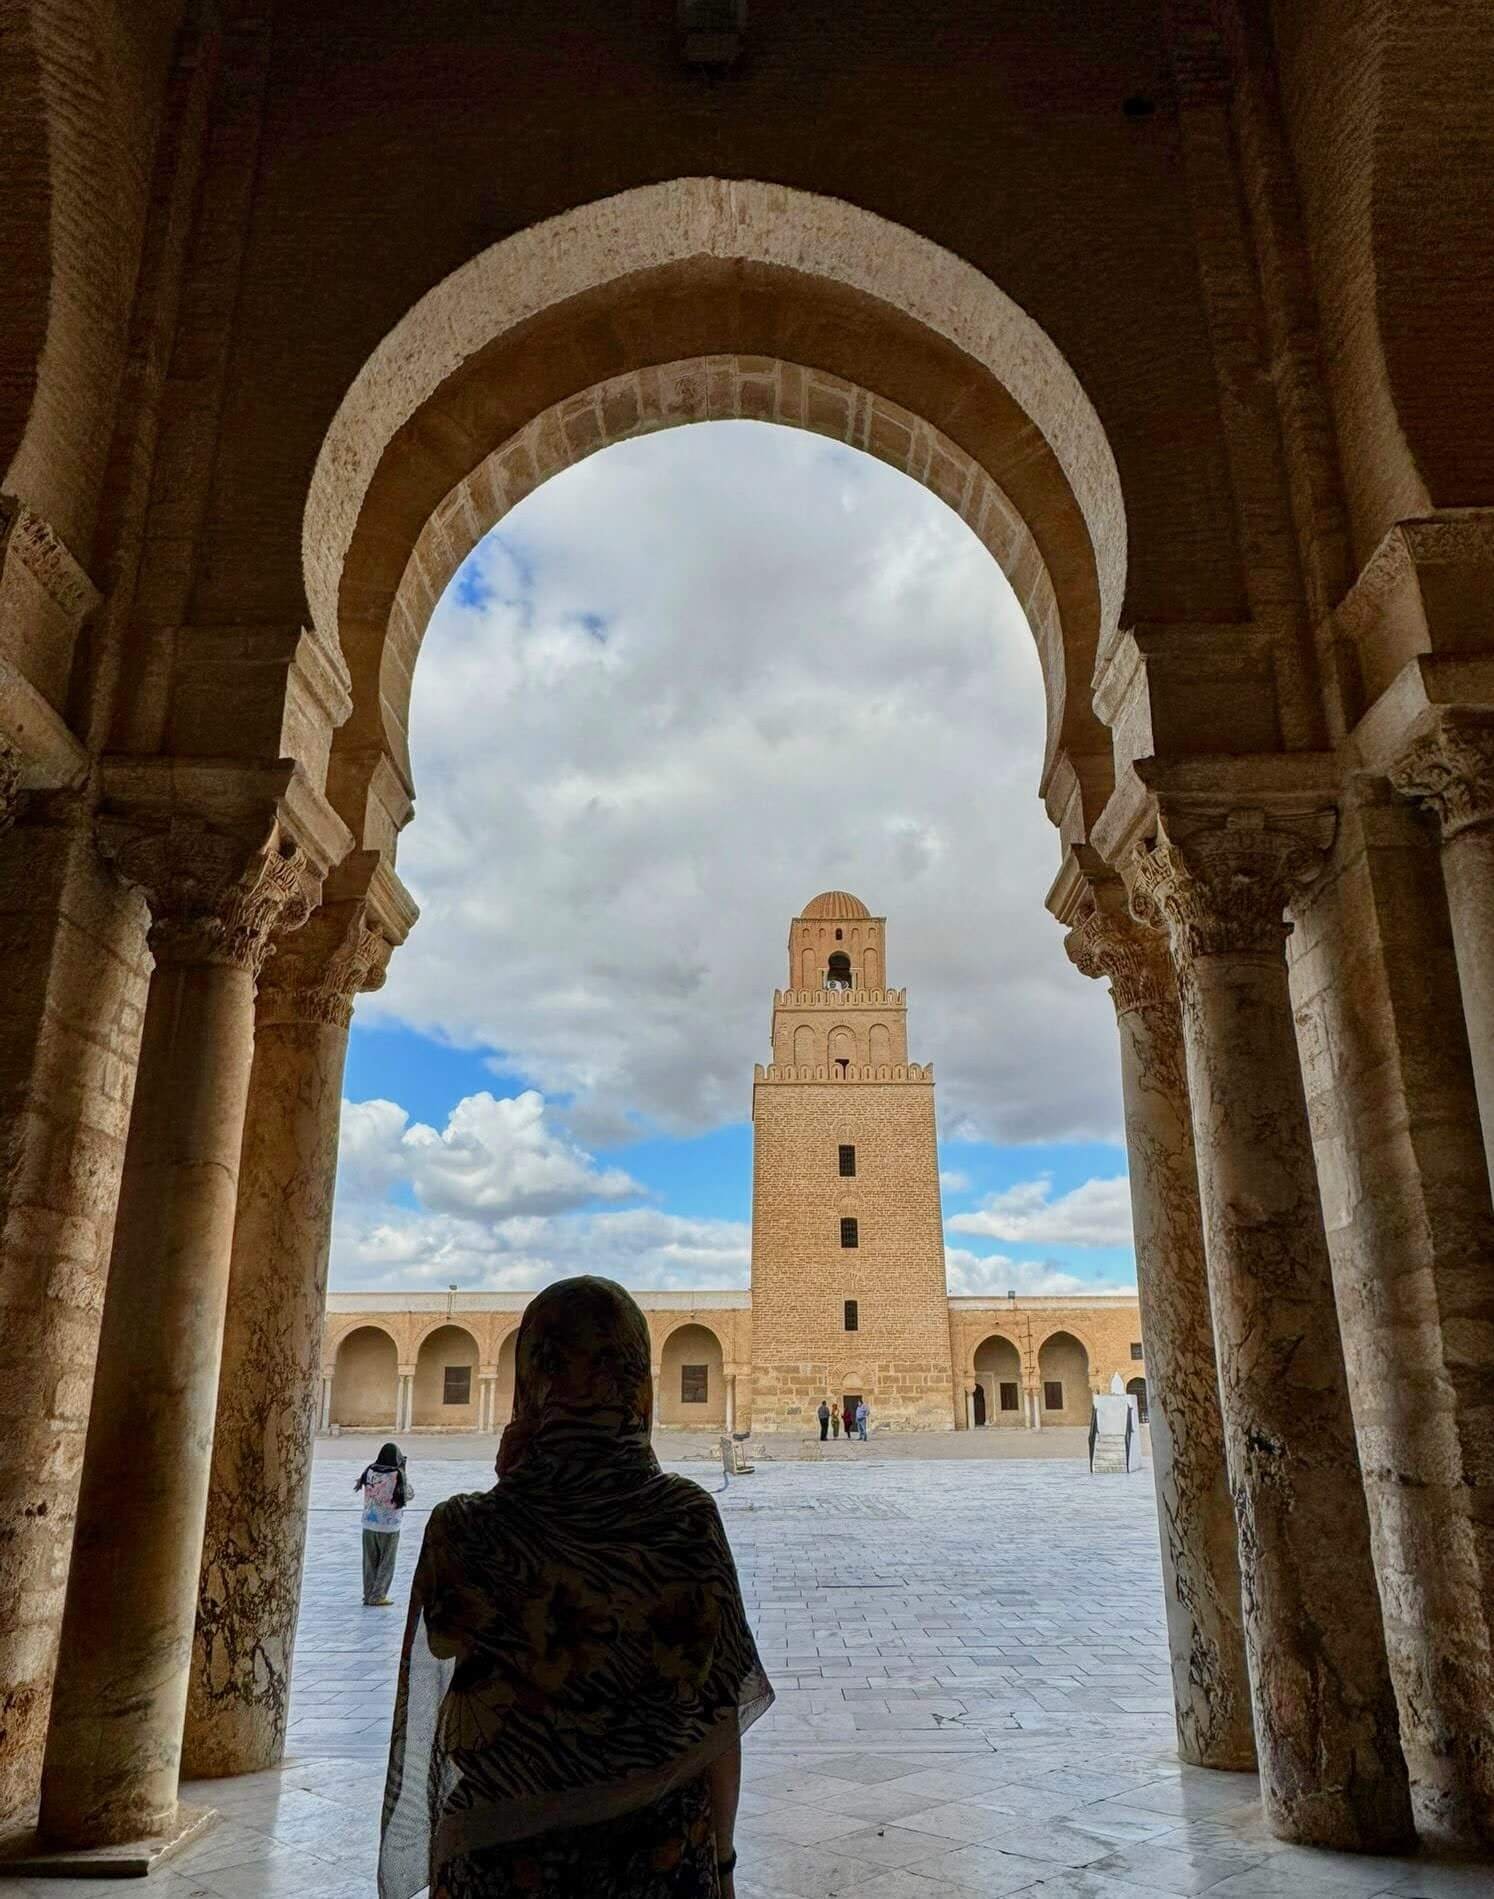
{"x": 131, "y": 1859}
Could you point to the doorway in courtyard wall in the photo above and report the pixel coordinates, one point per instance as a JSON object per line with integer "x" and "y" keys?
{"x": 682, "y": 685}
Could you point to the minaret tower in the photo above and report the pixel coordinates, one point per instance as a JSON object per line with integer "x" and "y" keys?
{"x": 848, "y": 1283}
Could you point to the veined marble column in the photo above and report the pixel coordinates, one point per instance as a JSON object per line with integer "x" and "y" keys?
{"x": 1326, "y": 1727}
{"x": 1200, "y": 1562}
{"x": 1450, "y": 770}
{"x": 114, "y": 1744}
{"x": 249, "y": 1589}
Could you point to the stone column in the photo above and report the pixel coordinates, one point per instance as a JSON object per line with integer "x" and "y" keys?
{"x": 1326, "y": 1729}
{"x": 114, "y": 1745}
{"x": 404, "y": 1398}
{"x": 249, "y": 1588}
{"x": 487, "y": 1391}
{"x": 1200, "y": 1562}
{"x": 1450, "y": 771}
{"x": 731, "y": 1402}
{"x": 326, "y": 1409}
{"x": 73, "y": 971}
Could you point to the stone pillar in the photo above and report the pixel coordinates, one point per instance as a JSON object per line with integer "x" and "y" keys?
{"x": 404, "y": 1398}
{"x": 1035, "y": 1408}
{"x": 1326, "y": 1729}
{"x": 731, "y": 1402}
{"x": 487, "y": 1396}
{"x": 1450, "y": 770}
{"x": 73, "y": 969}
{"x": 249, "y": 1589}
{"x": 1200, "y": 1562}
{"x": 326, "y": 1409}
{"x": 114, "y": 1745}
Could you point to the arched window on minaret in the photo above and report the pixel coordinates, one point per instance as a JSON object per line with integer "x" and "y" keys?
{"x": 838, "y": 970}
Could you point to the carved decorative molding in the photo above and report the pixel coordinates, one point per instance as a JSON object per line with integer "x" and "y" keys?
{"x": 311, "y": 988}
{"x": 26, "y": 538}
{"x": 211, "y": 899}
{"x": 1449, "y": 768}
{"x": 1132, "y": 957}
{"x": 1452, "y": 538}
{"x": 1221, "y": 887}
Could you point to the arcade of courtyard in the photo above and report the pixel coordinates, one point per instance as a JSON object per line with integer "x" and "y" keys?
{"x": 1184, "y": 309}
{"x": 426, "y": 1361}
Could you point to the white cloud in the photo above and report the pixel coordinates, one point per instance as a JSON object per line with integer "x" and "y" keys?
{"x": 392, "y": 1247}
{"x": 952, "y": 1181}
{"x": 1098, "y": 1213}
{"x": 986, "y": 1273}
{"x": 716, "y": 671}
{"x": 493, "y": 1159}
{"x": 504, "y": 1200}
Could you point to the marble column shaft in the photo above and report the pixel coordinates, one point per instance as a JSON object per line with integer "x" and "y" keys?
{"x": 74, "y": 969}
{"x": 114, "y": 1743}
{"x": 1326, "y": 1727}
{"x": 1200, "y": 1561}
{"x": 269, "y": 1393}
{"x": 1450, "y": 771}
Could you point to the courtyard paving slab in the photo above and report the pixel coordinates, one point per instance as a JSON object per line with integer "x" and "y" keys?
{"x": 973, "y": 1702}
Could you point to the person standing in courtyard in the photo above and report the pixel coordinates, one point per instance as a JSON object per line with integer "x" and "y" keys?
{"x": 835, "y": 1420}
{"x": 862, "y": 1414}
{"x": 577, "y": 1670}
{"x": 386, "y": 1490}
{"x": 824, "y": 1415}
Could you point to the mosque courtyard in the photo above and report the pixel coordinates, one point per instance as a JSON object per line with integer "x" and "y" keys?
{"x": 973, "y": 1699}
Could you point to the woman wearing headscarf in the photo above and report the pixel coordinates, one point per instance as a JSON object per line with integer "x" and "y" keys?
{"x": 577, "y": 1670}
{"x": 386, "y": 1490}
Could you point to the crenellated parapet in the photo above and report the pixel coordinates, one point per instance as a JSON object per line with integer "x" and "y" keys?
{"x": 922, "y": 1072}
{"x": 840, "y": 998}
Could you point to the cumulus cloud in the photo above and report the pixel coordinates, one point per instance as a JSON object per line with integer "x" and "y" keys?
{"x": 987, "y": 1273}
{"x": 1098, "y": 1213}
{"x": 952, "y": 1181}
{"x": 502, "y": 1199}
{"x": 493, "y": 1159}
{"x": 391, "y": 1248}
{"x": 688, "y": 684}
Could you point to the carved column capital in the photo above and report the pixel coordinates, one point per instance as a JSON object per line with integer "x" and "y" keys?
{"x": 1134, "y": 958}
{"x": 1449, "y": 768}
{"x": 319, "y": 979}
{"x": 212, "y": 898}
{"x": 1219, "y": 882}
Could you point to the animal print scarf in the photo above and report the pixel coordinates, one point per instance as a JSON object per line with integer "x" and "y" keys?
{"x": 576, "y": 1645}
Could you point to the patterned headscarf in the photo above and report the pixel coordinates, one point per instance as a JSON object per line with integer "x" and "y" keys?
{"x": 576, "y": 1646}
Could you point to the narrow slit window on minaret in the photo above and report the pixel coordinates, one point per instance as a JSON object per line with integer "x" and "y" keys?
{"x": 853, "y": 1316}
{"x": 847, "y": 1161}
{"x": 849, "y": 1233}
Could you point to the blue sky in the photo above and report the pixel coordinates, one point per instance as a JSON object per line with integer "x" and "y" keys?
{"x": 680, "y": 689}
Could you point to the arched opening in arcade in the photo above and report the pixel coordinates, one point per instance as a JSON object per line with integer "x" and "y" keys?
{"x": 1064, "y": 1392}
{"x": 691, "y": 1389}
{"x": 365, "y": 1380}
{"x": 503, "y": 1395}
{"x": 446, "y": 1383}
{"x": 998, "y": 1399}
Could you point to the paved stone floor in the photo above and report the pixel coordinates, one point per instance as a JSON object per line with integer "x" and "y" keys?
{"x": 972, "y": 1700}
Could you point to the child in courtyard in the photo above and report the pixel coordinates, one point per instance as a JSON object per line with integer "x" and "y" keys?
{"x": 386, "y": 1490}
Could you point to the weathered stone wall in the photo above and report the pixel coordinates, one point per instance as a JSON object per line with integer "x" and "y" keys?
{"x": 898, "y": 1359}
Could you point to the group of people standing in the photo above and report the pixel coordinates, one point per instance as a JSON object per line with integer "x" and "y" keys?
{"x": 831, "y": 1418}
